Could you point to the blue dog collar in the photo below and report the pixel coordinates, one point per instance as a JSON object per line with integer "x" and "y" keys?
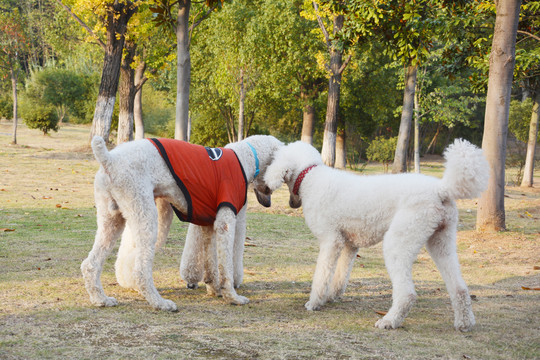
{"x": 256, "y": 160}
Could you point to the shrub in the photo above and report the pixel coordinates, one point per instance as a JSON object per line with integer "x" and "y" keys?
{"x": 6, "y": 107}
{"x": 42, "y": 117}
{"x": 382, "y": 150}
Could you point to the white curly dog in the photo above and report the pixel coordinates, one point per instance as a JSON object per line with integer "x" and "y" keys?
{"x": 404, "y": 211}
{"x": 134, "y": 190}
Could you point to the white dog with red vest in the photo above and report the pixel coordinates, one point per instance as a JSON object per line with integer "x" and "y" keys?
{"x": 405, "y": 211}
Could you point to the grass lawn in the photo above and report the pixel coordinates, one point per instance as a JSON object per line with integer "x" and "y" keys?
{"x": 47, "y": 225}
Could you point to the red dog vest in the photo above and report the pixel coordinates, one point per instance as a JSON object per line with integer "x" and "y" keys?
{"x": 208, "y": 177}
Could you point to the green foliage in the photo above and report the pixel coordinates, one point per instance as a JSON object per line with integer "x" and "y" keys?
{"x": 519, "y": 119}
{"x": 39, "y": 116}
{"x": 69, "y": 92}
{"x": 6, "y": 106}
{"x": 382, "y": 150}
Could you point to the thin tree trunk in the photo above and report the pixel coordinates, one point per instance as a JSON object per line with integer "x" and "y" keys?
{"x": 137, "y": 106}
{"x": 116, "y": 26}
{"x": 14, "y": 76}
{"x": 308, "y": 123}
{"x": 400, "y": 158}
{"x": 341, "y": 150}
{"x": 416, "y": 133}
{"x": 528, "y": 172}
{"x": 434, "y": 140}
{"x": 126, "y": 96}
{"x": 241, "y": 107}
{"x": 491, "y": 215}
{"x": 183, "y": 64}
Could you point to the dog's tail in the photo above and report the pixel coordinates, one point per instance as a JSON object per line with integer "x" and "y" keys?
{"x": 467, "y": 171}
{"x": 101, "y": 153}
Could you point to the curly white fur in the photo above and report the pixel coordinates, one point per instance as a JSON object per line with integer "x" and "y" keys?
{"x": 134, "y": 191}
{"x": 406, "y": 212}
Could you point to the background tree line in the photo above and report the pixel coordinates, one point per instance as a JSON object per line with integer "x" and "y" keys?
{"x": 387, "y": 81}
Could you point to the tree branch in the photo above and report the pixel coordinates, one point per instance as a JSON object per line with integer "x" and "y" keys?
{"x": 321, "y": 25}
{"x": 195, "y": 24}
{"x": 101, "y": 43}
{"x": 344, "y": 65}
{"x": 529, "y": 34}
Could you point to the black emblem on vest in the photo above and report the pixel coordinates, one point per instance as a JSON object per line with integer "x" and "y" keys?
{"x": 214, "y": 153}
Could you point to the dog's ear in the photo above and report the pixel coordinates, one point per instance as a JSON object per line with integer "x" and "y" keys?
{"x": 276, "y": 174}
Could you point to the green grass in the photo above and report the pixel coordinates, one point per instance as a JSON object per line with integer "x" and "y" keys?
{"x": 45, "y": 312}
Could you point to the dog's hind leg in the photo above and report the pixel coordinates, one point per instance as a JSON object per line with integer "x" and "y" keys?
{"x": 225, "y": 228}
{"x": 110, "y": 225}
{"x": 142, "y": 221}
{"x": 402, "y": 243}
{"x": 165, "y": 218}
{"x": 442, "y": 248}
{"x": 343, "y": 271}
{"x": 329, "y": 253}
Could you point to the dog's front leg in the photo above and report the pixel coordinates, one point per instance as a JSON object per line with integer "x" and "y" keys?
{"x": 225, "y": 227}
{"x": 194, "y": 255}
{"x": 238, "y": 252}
{"x": 330, "y": 250}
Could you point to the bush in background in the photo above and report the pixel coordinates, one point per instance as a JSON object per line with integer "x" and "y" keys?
{"x": 382, "y": 150}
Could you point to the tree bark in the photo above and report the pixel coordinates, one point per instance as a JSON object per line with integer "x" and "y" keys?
{"x": 416, "y": 133}
{"x": 126, "y": 95}
{"x": 183, "y": 64}
{"x": 341, "y": 150}
{"x": 14, "y": 76}
{"x": 491, "y": 214}
{"x": 400, "y": 158}
{"x": 241, "y": 107}
{"x": 116, "y": 25}
{"x": 137, "y": 106}
{"x": 308, "y": 124}
{"x": 528, "y": 172}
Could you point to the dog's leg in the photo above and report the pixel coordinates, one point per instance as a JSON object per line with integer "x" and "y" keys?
{"x": 125, "y": 261}
{"x": 211, "y": 272}
{"x": 194, "y": 255}
{"x": 165, "y": 218}
{"x": 343, "y": 271}
{"x": 142, "y": 221}
{"x": 110, "y": 224}
{"x": 401, "y": 246}
{"x": 442, "y": 248}
{"x": 238, "y": 252}
{"x": 224, "y": 227}
{"x": 330, "y": 250}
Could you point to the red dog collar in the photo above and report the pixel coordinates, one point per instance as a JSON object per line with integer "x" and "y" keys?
{"x": 300, "y": 178}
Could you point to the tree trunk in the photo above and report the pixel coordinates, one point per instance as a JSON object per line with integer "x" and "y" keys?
{"x": 416, "y": 133}
{"x": 241, "y": 107}
{"x": 14, "y": 76}
{"x": 491, "y": 215}
{"x": 328, "y": 152}
{"x": 116, "y": 26}
{"x": 400, "y": 158}
{"x": 183, "y": 64}
{"x": 137, "y": 106}
{"x": 126, "y": 96}
{"x": 308, "y": 124}
{"x": 528, "y": 172}
{"x": 341, "y": 150}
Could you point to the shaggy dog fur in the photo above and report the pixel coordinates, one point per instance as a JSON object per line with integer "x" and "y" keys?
{"x": 405, "y": 211}
{"x": 134, "y": 190}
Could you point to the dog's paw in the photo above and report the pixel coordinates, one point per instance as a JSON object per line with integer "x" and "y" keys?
{"x": 167, "y": 305}
{"x": 239, "y": 300}
{"x": 106, "y": 302}
{"x": 385, "y": 324}
{"x": 465, "y": 324}
{"x": 312, "y": 306}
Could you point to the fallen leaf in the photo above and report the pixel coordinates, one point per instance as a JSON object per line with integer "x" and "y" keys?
{"x": 382, "y": 313}
{"x": 47, "y": 197}
{"x": 249, "y": 244}
{"x": 530, "y": 288}
{"x": 6, "y": 230}
{"x": 536, "y": 267}
{"x": 58, "y": 205}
